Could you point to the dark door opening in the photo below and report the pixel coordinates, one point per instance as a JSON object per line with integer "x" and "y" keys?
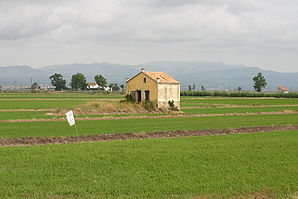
{"x": 147, "y": 95}
{"x": 139, "y": 96}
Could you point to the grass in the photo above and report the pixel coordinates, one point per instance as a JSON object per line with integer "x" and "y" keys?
{"x": 22, "y": 129}
{"x": 51, "y": 95}
{"x": 42, "y": 114}
{"x": 215, "y": 167}
{"x": 39, "y": 104}
{"x": 238, "y": 110}
{"x": 24, "y": 115}
{"x": 239, "y": 101}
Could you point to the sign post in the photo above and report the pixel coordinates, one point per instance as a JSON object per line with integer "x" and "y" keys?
{"x": 70, "y": 119}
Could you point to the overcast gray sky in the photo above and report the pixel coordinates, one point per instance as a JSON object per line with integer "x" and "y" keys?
{"x": 262, "y": 33}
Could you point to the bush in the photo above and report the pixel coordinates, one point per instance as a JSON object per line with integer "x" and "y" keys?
{"x": 149, "y": 106}
{"x": 128, "y": 98}
{"x": 172, "y": 106}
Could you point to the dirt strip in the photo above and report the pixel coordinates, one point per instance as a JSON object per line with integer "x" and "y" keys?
{"x": 207, "y": 98}
{"x": 56, "y": 99}
{"x": 17, "y": 110}
{"x": 187, "y": 107}
{"x": 152, "y": 117}
{"x": 238, "y": 106}
{"x": 4, "y": 142}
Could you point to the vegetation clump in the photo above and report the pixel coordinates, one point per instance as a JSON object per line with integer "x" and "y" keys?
{"x": 94, "y": 108}
{"x": 172, "y": 106}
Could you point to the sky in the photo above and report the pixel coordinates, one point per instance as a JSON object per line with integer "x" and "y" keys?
{"x": 251, "y": 32}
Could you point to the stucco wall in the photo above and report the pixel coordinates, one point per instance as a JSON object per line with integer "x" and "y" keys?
{"x": 168, "y": 92}
{"x": 137, "y": 83}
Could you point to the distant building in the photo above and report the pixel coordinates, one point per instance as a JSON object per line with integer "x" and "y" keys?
{"x": 92, "y": 86}
{"x": 282, "y": 89}
{"x": 158, "y": 87}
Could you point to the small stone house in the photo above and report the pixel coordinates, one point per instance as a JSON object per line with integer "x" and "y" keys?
{"x": 282, "y": 89}
{"x": 157, "y": 87}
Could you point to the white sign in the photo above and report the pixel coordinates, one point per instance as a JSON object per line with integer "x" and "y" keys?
{"x": 70, "y": 118}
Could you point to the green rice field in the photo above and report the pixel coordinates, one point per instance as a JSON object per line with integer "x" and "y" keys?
{"x": 214, "y": 167}
{"x": 259, "y": 165}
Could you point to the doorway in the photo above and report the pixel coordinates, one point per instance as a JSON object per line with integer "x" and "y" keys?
{"x": 147, "y": 95}
{"x": 138, "y": 96}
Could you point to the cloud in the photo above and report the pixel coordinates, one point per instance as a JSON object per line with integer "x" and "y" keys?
{"x": 208, "y": 24}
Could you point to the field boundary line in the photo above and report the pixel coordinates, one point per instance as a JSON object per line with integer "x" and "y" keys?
{"x": 58, "y": 99}
{"x": 238, "y": 106}
{"x": 27, "y": 141}
{"x": 29, "y": 110}
{"x": 154, "y": 117}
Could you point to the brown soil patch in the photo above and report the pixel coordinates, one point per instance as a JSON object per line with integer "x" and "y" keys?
{"x": 134, "y": 136}
{"x": 89, "y": 99}
{"x": 237, "y": 106}
{"x": 16, "y": 110}
{"x": 206, "y": 98}
{"x": 156, "y": 116}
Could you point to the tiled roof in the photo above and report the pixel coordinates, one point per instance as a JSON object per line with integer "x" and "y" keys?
{"x": 163, "y": 77}
{"x": 282, "y": 88}
{"x": 92, "y": 84}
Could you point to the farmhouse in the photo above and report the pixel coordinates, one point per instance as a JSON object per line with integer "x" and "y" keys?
{"x": 92, "y": 86}
{"x": 282, "y": 89}
{"x": 158, "y": 87}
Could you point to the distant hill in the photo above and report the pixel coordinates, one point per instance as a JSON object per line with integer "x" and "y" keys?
{"x": 212, "y": 75}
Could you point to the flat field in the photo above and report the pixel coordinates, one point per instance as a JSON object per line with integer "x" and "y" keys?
{"x": 259, "y": 165}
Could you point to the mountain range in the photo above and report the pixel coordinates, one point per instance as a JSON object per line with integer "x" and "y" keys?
{"x": 211, "y": 75}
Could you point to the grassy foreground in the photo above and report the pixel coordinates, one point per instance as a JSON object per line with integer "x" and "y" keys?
{"x": 214, "y": 166}
{"x": 22, "y": 129}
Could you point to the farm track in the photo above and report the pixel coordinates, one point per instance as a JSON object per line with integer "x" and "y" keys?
{"x": 17, "y": 110}
{"x": 236, "y": 106}
{"x": 153, "y": 117}
{"x": 184, "y": 107}
{"x": 26, "y": 141}
{"x": 89, "y": 99}
{"x": 206, "y": 98}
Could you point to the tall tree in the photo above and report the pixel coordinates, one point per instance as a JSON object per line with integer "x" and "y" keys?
{"x": 101, "y": 81}
{"x": 111, "y": 85}
{"x": 122, "y": 87}
{"x": 58, "y": 81}
{"x": 193, "y": 87}
{"x": 259, "y": 82}
{"x": 189, "y": 87}
{"x": 78, "y": 82}
{"x": 35, "y": 86}
{"x": 116, "y": 87}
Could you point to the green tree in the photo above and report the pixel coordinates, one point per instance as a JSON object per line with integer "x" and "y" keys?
{"x": 259, "y": 82}
{"x": 122, "y": 87}
{"x": 189, "y": 87}
{"x": 78, "y": 82}
{"x": 35, "y": 86}
{"x": 193, "y": 87}
{"x": 116, "y": 87}
{"x": 239, "y": 88}
{"x": 58, "y": 81}
{"x": 111, "y": 85}
{"x": 203, "y": 88}
{"x": 101, "y": 81}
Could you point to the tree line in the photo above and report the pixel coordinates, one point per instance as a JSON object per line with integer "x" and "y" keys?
{"x": 79, "y": 82}
{"x": 259, "y": 83}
